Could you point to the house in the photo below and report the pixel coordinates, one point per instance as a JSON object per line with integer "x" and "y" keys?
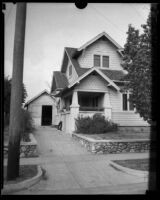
{"x": 42, "y": 108}
{"x": 90, "y": 81}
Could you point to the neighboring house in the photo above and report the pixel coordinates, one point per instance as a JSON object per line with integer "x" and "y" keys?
{"x": 90, "y": 81}
{"x": 43, "y": 109}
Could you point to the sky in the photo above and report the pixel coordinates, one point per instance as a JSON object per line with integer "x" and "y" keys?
{"x": 52, "y": 26}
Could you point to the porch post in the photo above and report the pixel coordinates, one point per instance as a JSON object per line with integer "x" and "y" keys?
{"x": 107, "y": 106}
{"x": 74, "y": 110}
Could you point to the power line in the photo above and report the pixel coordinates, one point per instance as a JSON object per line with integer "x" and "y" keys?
{"x": 137, "y": 12}
{"x": 108, "y": 19}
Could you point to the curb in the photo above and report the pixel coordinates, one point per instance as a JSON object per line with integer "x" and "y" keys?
{"x": 10, "y": 188}
{"x": 139, "y": 173}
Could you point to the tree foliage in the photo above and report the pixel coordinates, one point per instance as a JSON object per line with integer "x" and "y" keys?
{"x": 137, "y": 62}
{"x": 7, "y": 94}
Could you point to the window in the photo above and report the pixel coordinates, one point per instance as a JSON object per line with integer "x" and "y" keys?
{"x": 127, "y": 105}
{"x": 105, "y": 61}
{"x": 101, "y": 61}
{"x": 97, "y": 60}
{"x": 70, "y": 70}
{"x": 124, "y": 101}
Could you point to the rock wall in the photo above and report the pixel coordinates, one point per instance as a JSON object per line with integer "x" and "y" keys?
{"x": 113, "y": 146}
{"x": 27, "y": 149}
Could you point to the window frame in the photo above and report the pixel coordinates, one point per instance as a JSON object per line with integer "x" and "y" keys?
{"x": 106, "y": 67}
{"x": 101, "y": 60}
{"x": 94, "y": 60}
{"x": 128, "y": 103}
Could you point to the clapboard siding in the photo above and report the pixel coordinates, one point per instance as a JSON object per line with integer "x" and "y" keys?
{"x": 74, "y": 75}
{"x": 115, "y": 100}
{"x": 127, "y": 118}
{"x": 103, "y": 48}
{"x": 35, "y": 108}
{"x": 93, "y": 82}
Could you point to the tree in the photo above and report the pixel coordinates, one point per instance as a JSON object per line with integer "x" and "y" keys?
{"x": 7, "y": 94}
{"x": 137, "y": 62}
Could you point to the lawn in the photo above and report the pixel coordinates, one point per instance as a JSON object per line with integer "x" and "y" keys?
{"x": 26, "y": 172}
{"x": 119, "y": 135}
{"x": 137, "y": 164}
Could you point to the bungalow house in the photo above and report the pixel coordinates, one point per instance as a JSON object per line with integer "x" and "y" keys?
{"x": 90, "y": 81}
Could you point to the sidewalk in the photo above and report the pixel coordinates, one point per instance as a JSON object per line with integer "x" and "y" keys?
{"x": 72, "y": 170}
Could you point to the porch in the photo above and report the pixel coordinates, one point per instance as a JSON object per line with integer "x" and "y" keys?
{"x": 82, "y": 103}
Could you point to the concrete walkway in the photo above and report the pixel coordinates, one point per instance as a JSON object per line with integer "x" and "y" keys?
{"x": 70, "y": 169}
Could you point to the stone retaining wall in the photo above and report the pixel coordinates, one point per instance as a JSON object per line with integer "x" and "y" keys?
{"x": 27, "y": 149}
{"x": 113, "y": 146}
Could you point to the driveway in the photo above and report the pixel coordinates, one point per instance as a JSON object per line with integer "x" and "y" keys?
{"x": 70, "y": 169}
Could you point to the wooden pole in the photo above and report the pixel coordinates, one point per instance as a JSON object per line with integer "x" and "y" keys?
{"x": 16, "y": 94}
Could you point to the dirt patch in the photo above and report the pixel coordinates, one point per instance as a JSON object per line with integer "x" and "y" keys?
{"x": 26, "y": 172}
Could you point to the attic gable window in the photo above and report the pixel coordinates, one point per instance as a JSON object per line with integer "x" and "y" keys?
{"x": 101, "y": 61}
{"x": 97, "y": 60}
{"x": 105, "y": 61}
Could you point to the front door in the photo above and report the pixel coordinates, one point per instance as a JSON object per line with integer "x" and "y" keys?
{"x": 46, "y": 116}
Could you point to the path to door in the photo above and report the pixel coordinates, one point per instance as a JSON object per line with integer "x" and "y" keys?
{"x": 72, "y": 170}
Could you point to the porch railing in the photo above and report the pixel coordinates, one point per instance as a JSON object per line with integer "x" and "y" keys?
{"x": 89, "y": 108}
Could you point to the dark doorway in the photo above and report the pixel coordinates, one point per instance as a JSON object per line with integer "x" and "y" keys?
{"x": 46, "y": 115}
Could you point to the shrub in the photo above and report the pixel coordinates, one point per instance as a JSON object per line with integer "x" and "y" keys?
{"x": 26, "y": 125}
{"x": 94, "y": 125}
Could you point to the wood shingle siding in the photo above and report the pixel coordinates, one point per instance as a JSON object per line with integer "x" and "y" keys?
{"x": 100, "y": 47}
{"x": 93, "y": 82}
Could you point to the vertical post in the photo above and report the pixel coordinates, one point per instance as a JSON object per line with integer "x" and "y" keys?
{"x": 16, "y": 93}
{"x": 74, "y": 107}
{"x": 107, "y": 106}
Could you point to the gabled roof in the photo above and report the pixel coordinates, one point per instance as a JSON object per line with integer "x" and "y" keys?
{"x": 37, "y": 96}
{"x": 71, "y": 54}
{"x": 100, "y": 73}
{"x": 103, "y": 34}
{"x": 60, "y": 80}
{"x": 114, "y": 75}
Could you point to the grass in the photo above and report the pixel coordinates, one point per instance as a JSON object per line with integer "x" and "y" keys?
{"x": 119, "y": 135}
{"x": 137, "y": 164}
{"x": 26, "y": 172}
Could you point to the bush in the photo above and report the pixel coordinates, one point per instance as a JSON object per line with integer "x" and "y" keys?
{"x": 94, "y": 125}
{"x": 27, "y": 125}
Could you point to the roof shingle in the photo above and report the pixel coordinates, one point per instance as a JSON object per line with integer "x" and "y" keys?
{"x": 60, "y": 79}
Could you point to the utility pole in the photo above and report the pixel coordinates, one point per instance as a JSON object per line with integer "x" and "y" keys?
{"x": 16, "y": 94}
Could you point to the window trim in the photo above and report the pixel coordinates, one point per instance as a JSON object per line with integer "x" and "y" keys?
{"x": 101, "y": 60}
{"x": 128, "y": 103}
